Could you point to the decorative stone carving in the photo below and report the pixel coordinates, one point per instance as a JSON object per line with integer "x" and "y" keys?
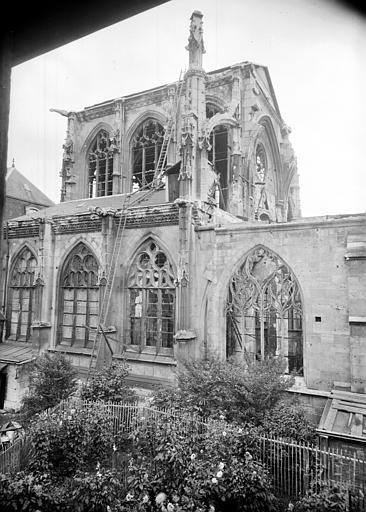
{"x": 186, "y": 150}
{"x": 195, "y": 41}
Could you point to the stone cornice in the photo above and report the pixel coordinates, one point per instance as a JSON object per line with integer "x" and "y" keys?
{"x": 319, "y": 222}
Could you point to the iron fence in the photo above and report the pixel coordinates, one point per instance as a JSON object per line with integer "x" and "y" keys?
{"x": 293, "y": 466}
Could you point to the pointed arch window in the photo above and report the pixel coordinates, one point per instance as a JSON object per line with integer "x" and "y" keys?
{"x": 261, "y": 206}
{"x": 218, "y": 154}
{"x": 151, "y": 299}
{"x": 146, "y": 146}
{"x": 100, "y": 166}
{"x": 21, "y": 298}
{"x": 264, "y": 310}
{"x": 79, "y": 298}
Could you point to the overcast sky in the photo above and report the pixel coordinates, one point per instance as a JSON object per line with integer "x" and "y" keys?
{"x": 315, "y": 51}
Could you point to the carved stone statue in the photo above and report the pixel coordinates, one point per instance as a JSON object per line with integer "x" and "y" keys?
{"x": 195, "y": 41}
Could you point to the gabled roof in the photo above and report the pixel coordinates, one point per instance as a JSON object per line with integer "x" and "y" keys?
{"x": 19, "y": 187}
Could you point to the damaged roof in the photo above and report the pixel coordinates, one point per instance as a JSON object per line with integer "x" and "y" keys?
{"x": 82, "y": 206}
{"x": 15, "y": 352}
{"x": 344, "y": 415}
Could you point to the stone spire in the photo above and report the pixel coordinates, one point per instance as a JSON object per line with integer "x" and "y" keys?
{"x": 196, "y": 46}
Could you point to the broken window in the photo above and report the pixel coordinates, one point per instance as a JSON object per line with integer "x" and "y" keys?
{"x": 100, "y": 160}
{"x": 261, "y": 206}
{"x": 151, "y": 299}
{"x": 20, "y": 314}
{"x": 79, "y": 298}
{"x": 146, "y": 148}
{"x": 264, "y": 311}
{"x": 218, "y": 156}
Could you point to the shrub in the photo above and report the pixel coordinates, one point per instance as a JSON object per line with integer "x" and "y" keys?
{"x": 62, "y": 443}
{"x": 31, "y": 493}
{"x": 241, "y": 392}
{"x": 194, "y": 470}
{"x": 109, "y": 384}
{"x": 97, "y": 492}
{"x": 288, "y": 418}
{"x": 52, "y": 379}
{"x": 323, "y": 498}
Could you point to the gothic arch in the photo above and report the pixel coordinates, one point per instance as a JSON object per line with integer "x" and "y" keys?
{"x": 150, "y": 283}
{"x": 154, "y": 238}
{"x": 267, "y": 124}
{"x": 93, "y": 133}
{"x": 19, "y": 250}
{"x": 145, "y": 139}
{"x": 217, "y": 102}
{"x": 22, "y": 300}
{"x": 74, "y": 242}
{"x": 78, "y": 296}
{"x": 264, "y": 309}
{"x": 156, "y": 115}
{"x": 221, "y": 119}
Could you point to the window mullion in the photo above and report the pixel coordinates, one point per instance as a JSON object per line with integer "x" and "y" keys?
{"x": 87, "y": 318}
{"x": 19, "y": 323}
{"x": 97, "y": 177}
{"x": 145, "y": 296}
{"x": 73, "y": 333}
{"x": 159, "y": 321}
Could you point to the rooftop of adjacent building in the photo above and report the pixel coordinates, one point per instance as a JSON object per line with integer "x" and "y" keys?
{"x": 19, "y": 187}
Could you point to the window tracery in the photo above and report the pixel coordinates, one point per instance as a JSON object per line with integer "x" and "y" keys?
{"x": 264, "y": 310}
{"x": 22, "y": 296}
{"x": 146, "y": 146}
{"x": 79, "y": 298}
{"x": 100, "y": 165}
{"x": 151, "y": 298}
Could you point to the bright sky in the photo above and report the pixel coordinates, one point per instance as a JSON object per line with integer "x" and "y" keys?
{"x": 315, "y": 51}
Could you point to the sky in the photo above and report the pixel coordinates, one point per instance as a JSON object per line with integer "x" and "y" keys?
{"x": 315, "y": 51}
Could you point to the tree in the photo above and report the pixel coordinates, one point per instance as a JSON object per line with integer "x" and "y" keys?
{"x": 109, "y": 384}
{"x": 52, "y": 379}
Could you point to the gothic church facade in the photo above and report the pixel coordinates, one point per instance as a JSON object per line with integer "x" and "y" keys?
{"x": 216, "y": 260}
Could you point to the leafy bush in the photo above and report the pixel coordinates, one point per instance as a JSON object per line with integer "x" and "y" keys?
{"x": 109, "y": 384}
{"x": 52, "y": 378}
{"x": 241, "y": 392}
{"x": 97, "y": 492}
{"x": 31, "y": 493}
{"x": 193, "y": 470}
{"x": 323, "y": 498}
{"x": 288, "y": 419}
{"x": 62, "y": 443}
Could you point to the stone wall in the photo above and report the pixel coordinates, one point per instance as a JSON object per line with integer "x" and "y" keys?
{"x": 315, "y": 251}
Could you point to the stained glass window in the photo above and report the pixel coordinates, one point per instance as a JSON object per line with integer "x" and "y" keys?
{"x": 79, "y": 298}
{"x": 100, "y": 164}
{"x": 21, "y": 296}
{"x": 151, "y": 298}
{"x": 146, "y": 148}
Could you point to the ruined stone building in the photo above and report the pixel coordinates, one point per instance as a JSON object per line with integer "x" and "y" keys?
{"x": 216, "y": 260}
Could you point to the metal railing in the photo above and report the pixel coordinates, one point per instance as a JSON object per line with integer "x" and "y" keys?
{"x": 293, "y": 466}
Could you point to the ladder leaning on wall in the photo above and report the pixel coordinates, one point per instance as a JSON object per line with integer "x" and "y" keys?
{"x": 99, "y": 334}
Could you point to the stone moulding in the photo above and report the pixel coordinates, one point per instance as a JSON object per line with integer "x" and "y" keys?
{"x": 79, "y": 224}
{"x": 23, "y": 229}
{"x": 160, "y": 215}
